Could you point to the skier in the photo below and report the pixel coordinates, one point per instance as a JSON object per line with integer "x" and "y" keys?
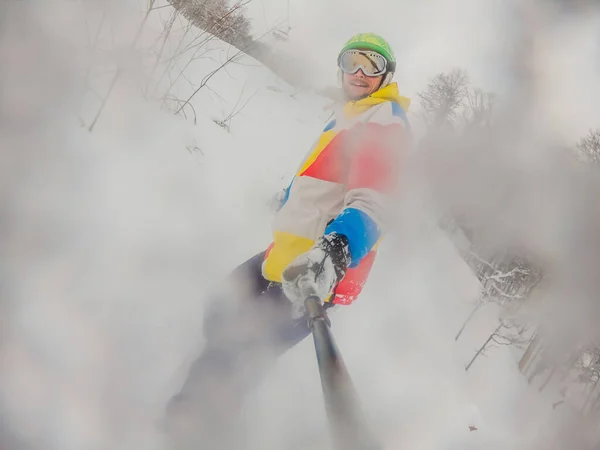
{"x": 325, "y": 239}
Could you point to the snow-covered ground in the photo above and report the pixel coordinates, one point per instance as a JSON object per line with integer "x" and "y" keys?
{"x": 113, "y": 239}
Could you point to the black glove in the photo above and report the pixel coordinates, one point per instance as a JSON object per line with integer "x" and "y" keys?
{"x": 316, "y": 272}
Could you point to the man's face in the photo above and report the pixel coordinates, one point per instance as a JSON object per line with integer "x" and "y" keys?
{"x": 358, "y": 85}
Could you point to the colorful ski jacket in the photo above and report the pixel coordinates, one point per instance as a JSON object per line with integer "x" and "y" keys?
{"x": 342, "y": 186}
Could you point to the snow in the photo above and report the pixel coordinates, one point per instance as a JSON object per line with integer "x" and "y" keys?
{"x": 116, "y": 238}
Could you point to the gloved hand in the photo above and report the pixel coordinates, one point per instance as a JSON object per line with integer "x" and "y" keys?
{"x": 316, "y": 272}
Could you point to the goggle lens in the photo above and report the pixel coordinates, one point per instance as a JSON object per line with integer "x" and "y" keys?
{"x": 371, "y": 63}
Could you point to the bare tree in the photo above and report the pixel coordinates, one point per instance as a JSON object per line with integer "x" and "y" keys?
{"x": 119, "y": 70}
{"x": 529, "y": 355}
{"x": 506, "y": 333}
{"x": 182, "y": 104}
{"x": 578, "y": 364}
{"x": 589, "y": 375}
{"x": 479, "y": 304}
{"x": 479, "y": 109}
{"x": 589, "y": 147}
{"x": 237, "y": 108}
{"x": 226, "y": 22}
{"x": 443, "y": 98}
{"x": 167, "y": 29}
{"x": 506, "y": 281}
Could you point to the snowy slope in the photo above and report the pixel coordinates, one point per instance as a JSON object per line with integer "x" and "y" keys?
{"x": 117, "y": 237}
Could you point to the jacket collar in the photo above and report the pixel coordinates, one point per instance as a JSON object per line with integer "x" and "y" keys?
{"x": 388, "y": 93}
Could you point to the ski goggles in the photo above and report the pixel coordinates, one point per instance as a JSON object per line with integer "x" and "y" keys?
{"x": 371, "y": 63}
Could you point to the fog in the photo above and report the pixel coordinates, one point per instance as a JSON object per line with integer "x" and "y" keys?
{"x": 112, "y": 240}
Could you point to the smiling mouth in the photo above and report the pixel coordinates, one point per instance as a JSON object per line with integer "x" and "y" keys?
{"x": 358, "y": 84}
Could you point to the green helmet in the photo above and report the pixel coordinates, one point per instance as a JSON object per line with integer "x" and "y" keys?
{"x": 373, "y": 42}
